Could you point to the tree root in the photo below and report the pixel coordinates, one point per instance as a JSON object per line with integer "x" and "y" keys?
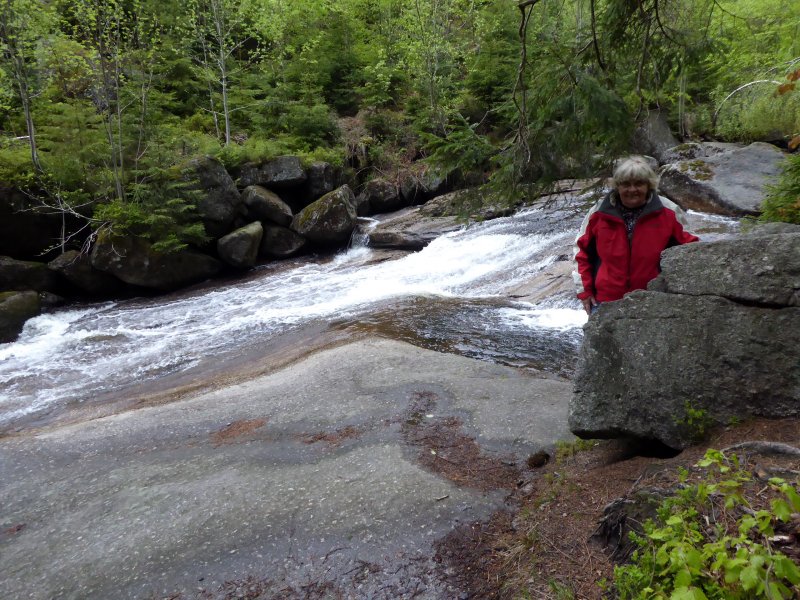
{"x": 757, "y": 447}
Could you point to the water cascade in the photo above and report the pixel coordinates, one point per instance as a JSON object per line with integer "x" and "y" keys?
{"x": 455, "y": 295}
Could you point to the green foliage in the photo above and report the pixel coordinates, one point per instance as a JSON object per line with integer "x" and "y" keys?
{"x": 314, "y": 125}
{"x": 113, "y": 86}
{"x": 695, "y": 421}
{"x": 783, "y": 200}
{"x": 377, "y": 88}
{"x": 15, "y": 165}
{"x": 694, "y": 551}
{"x": 160, "y": 210}
{"x": 258, "y": 149}
{"x": 462, "y": 148}
{"x": 757, "y": 114}
{"x": 560, "y": 591}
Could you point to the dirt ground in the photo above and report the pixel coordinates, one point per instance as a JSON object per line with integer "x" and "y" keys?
{"x": 543, "y": 547}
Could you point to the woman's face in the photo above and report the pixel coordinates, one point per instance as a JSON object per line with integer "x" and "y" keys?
{"x": 633, "y": 194}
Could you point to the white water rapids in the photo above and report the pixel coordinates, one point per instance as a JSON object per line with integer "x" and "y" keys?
{"x": 454, "y": 290}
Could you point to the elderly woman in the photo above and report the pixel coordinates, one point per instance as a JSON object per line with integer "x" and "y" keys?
{"x": 620, "y": 242}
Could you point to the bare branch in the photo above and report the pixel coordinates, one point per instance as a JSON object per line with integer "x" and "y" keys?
{"x": 739, "y": 89}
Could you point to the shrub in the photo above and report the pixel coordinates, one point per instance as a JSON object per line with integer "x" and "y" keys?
{"x": 708, "y": 542}
{"x": 783, "y": 200}
{"x": 314, "y": 125}
{"x": 16, "y": 168}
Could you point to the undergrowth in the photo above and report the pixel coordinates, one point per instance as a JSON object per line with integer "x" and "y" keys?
{"x": 709, "y": 541}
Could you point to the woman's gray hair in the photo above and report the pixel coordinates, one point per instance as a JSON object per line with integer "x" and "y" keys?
{"x": 635, "y": 168}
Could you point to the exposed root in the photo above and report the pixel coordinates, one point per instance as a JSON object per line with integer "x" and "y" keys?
{"x": 757, "y": 447}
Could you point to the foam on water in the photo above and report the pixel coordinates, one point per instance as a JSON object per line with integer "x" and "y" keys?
{"x": 549, "y": 318}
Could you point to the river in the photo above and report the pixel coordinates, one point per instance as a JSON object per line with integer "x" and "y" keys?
{"x": 456, "y": 295}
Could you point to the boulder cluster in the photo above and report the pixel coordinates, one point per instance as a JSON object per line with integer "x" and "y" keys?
{"x": 270, "y": 210}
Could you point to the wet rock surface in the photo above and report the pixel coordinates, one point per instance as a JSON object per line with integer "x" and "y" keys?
{"x": 333, "y": 477}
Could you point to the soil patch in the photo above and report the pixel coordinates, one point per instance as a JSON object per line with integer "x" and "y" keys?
{"x": 332, "y": 438}
{"x": 447, "y": 451}
{"x": 232, "y": 432}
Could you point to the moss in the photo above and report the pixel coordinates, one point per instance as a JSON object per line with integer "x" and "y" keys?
{"x": 698, "y": 169}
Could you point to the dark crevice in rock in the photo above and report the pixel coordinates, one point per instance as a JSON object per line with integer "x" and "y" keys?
{"x": 741, "y": 301}
{"x": 650, "y": 448}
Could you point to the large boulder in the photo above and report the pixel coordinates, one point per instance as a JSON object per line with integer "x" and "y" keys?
{"x": 411, "y": 229}
{"x": 240, "y": 248}
{"x": 728, "y": 183}
{"x": 694, "y": 150}
{"x": 322, "y": 178}
{"x": 218, "y": 201}
{"x": 381, "y": 196}
{"x": 411, "y": 188}
{"x": 134, "y": 261}
{"x": 15, "y": 309}
{"x": 653, "y": 136}
{"x": 280, "y": 242}
{"x": 414, "y": 228}
{"x": 281, "y": 173}
{"x": 768, "y": 275}
{"x": 26, "y": 275}
{"x": 76, "y": 267}
{"x": 265, "y": 205}
{"x": 331, "y": 219}
{"x": 714, "y": 339}
{"x": 397, "y": 240}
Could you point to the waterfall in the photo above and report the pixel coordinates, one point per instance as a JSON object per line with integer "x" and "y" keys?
{"x": 360, "y": 236}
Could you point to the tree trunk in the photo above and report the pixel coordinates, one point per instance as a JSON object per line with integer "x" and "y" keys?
{"x": 24, "y": 96}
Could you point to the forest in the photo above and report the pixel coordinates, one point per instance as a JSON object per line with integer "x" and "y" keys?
{"x": 103, "y": 101}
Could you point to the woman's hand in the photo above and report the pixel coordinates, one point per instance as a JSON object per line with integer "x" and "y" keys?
{"x": 588, "y": 303}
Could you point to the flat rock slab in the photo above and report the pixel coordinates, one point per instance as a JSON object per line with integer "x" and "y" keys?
{"x": 317, "y": 477}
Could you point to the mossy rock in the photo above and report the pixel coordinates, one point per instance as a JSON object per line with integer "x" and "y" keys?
{"x": 15, "y": 309}
{"x": 331, "y": 219}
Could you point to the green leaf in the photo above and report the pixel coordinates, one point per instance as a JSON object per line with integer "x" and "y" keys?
{"x": 786, "y": 569}
{"x": 793, "y": 497}
{"x": 694, "y": 560}
{"x": 732, "y": 574}
{"x": 688, "y": 593}
{"x": 749, "y": 577}
{"x": 683, "y": 579}
{"x": 747, "y": 523}
{"x": 781, "y": 509}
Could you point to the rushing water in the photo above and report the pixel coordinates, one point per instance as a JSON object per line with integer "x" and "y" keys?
{"x": 451, "y": 296}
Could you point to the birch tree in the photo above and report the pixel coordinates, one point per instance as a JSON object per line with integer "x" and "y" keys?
{"x": 22, "y": 24}
{"x": 221, "y": 33}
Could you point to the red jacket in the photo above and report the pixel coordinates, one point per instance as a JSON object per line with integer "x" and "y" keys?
{"x": 608, "y": 265}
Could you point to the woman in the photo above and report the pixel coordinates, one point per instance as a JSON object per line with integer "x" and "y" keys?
{"x": 618, "y": 248}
